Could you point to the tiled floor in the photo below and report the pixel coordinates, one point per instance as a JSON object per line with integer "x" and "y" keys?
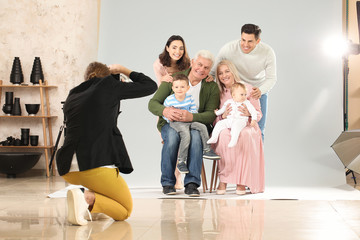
{"x": 26, "y": 213}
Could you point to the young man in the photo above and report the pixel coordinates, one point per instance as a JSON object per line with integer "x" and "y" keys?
{"x": 206, "y": 95}
{"x": 255, "y": 62}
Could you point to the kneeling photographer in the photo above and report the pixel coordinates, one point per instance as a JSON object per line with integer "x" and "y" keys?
{"x": 94, "y": 144}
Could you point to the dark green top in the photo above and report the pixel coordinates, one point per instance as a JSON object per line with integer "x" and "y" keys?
{"x": 209, "y": 101}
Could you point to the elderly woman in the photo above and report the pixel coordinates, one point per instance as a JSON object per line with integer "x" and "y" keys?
{"x": 243, "y": 164}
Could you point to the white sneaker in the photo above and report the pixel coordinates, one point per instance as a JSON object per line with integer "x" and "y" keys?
{"x": 77, "y": 207}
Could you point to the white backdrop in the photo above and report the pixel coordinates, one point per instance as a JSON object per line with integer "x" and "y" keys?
{"x": 305, "y": 106}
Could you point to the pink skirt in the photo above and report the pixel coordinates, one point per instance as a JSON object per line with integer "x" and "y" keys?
{"x": 244, "y": 163}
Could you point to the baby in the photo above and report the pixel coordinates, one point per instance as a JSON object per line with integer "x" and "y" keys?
{"x": 235, "y": 120}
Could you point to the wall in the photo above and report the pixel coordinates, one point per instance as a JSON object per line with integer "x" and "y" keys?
{"x": 64, "y": 34}
{"x": 305, "y": 106}
{"x": 354, "y": 70}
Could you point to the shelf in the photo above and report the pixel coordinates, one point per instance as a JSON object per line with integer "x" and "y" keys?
{"x": 29, "y": 147}
{"x": 5, "y": 116}
{"x": 45, "y": 117}
{"x": 28, "y": 86}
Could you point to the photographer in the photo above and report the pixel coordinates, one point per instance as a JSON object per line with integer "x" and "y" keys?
{"x": 94, "y": 144}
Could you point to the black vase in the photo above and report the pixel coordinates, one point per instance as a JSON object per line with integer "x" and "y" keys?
{"x": 34, "y": 140}
{"x": 16, "y": 75}
{"x": 8, "y": 106}
{"x": 36, "y": 73}
{"x": 25, "y": 136}
{"x": 7, "y": 109}
{"x": 9, "y": 98}
{"x": 16, "y": 111}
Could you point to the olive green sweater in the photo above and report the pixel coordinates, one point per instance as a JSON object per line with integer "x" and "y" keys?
{"x": 209, "y": 101}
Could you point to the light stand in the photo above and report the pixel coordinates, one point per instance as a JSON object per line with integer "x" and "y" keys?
{"x": 353, "y": 49}
{"x": 61, "y": 130}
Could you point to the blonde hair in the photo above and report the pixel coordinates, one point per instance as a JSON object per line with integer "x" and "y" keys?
{"x": 236, "y": 86}
{"x": 232, "y": 69}
{"x": 96, "y": 69}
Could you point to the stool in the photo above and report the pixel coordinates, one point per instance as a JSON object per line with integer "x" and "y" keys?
{"x": 203, "y": 178}
{"x": 214, "y": 175}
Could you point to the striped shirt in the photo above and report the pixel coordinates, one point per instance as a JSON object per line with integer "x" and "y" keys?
{"x": 187, "y": 104}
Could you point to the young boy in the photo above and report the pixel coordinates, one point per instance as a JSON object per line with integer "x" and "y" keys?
{"x": 181, "y": 100}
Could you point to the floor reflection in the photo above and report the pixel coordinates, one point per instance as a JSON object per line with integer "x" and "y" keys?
{"x": 100, "y": 230}
{"x": 181, "y": 219}
{"x": 242, "y": 218}
{"x": 185, "y": 219}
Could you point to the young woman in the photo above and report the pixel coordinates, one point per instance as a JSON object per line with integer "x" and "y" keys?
{"x": 173, "y": 59}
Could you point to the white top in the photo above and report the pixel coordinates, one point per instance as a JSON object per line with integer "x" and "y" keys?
{"x": 235, "y": 113}
{"x": 257, "y": 68}
{"x": 75, "y": 167}
{"x": 195, "y": 92}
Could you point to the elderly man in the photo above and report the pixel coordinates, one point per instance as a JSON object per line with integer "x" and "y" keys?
{"x": 206, "y": 95}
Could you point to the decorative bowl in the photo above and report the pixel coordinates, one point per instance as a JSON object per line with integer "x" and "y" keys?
{"x": 32, "y": 109}
{"x": 12, "y": 163}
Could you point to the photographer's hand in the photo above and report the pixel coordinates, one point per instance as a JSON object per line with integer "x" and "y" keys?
{"x": 117, "y": 69}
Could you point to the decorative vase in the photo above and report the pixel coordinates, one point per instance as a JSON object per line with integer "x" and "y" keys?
{"x": 16, "y": 111}
{"x": 7, "y": 109}
{"x": 25, "y": 136}
{"x": 9, "y": 98}
{"x": 36, "y": 73}
{"x": 34, "y": 140}
{"x": 17, "y": 142}
{"x": 16, "y": 75}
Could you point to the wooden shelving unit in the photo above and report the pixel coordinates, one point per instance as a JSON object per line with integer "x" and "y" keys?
{"x": 44, "y": 116}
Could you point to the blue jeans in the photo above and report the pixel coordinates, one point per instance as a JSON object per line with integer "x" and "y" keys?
{"x": 263, "y": 104}
{"x": 169, "y": 155}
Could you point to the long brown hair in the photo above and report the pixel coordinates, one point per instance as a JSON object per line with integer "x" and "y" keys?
{"x": 165, "y": 59}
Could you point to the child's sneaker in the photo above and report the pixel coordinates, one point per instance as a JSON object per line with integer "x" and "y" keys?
{"x": 210, "y": 154}
{"x": 181, "y": 166}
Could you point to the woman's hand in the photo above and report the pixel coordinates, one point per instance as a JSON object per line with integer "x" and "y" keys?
{"x": 209, "y": 78}
{"x": 252, "y": 123}
{"x": 117, "y": 69}
{"x": 244, "y": 110}
{"x": 227, "y": 111}
{"x": 166, "y": 78}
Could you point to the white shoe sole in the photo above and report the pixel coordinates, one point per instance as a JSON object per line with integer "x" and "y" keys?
{"x": 73, "y": 209}
{"x": 212, "y": 158}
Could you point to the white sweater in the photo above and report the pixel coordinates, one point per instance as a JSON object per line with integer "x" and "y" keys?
{"x": 257, "y": 68}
